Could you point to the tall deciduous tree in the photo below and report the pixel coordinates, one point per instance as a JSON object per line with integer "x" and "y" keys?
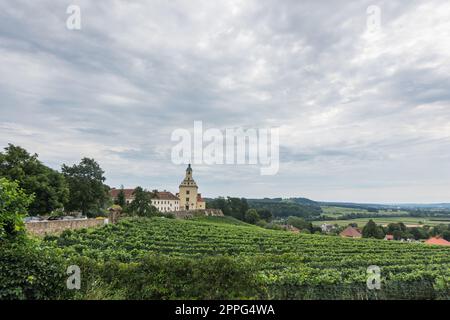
{"x": 14, "y": 203}
{"x": 265, "y": 214}
{"x": 300, "y": 223}
{"x": 48, "y": 186}
{"x": 251, "y": 216}
{"x": 142, "y": 204}
{"x": 121, "y": 199}
{"x": 235, "y": 207}
{"x": 371, "y": 230}
{"x": 88, "y": 194}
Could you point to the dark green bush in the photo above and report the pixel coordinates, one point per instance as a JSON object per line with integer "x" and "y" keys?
{"x": 163, "y": 277}
{"x": 29, "y": 272}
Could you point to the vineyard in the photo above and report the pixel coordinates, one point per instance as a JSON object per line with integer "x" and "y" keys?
{"x": 272, "y": 264}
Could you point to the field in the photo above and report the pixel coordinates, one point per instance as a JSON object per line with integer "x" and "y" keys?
{"x": 408, "y": 221}
{"x": 333, "y": 211}
{"x": 397, "y": 216}
{"x": 282, "y": 265}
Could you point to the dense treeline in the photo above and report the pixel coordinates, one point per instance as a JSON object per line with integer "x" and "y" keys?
{"x": 372, "y": 214}
{"x": 286, "y": 208}
{"x": 239, "y": 208}
{"x": 48, "y": 186}
{"x": 76, "y": 188}
{"x": 429, "y": 213}
{"x": 234, "y": 207}
{"x": 401, "y": 231}
{"x": 266, "y": 208}
{"x": 361, "y": 206}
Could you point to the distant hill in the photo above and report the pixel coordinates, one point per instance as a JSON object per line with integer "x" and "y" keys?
{"x": 404, "y": 206}
{"x": 304, "y": 201}
{"x": 310, "y": 209}
{"x": 299, "y": 207}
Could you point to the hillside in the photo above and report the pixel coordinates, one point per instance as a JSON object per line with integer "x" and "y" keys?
{"x": 299, "y": 207}
{"x": 282, "y": 264}
{"x": 401, "y": 206}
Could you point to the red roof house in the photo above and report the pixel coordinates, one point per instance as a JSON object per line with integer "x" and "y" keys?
{"x": 437, "y": 241}
{"x": 389, "y": 237}
{"x": 351, "y": 232}
{"x": 165, "y": 195}
{"x": 129, "y": 196}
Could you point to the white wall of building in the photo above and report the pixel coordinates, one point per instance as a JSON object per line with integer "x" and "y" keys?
{"x": 166, "y": 205}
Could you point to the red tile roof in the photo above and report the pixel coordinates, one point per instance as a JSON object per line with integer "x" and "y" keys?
{"x": 162, "y": 195}
{"x": 199, "y": 198}
{"x": 128, "y": 193}
{"x": 165, "y": 195}
{"x": 437, "y": 241}
{"x": 351, "y": 232}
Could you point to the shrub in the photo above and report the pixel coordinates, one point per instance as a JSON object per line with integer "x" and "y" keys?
{"x": 29, "y": 272}
{"x": 13, "y": 207}
{"x": 158, "y": 277}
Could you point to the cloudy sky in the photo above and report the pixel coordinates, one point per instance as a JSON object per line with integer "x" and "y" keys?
{"x": 363, "y": 113}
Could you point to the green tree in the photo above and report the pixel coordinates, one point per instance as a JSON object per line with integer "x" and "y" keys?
{"x": 142, "y": 204}
{"x": 439, "y": 230}
{"x": 121, "y": 199}
{"x": 286, "y": 208}
{"x": 300, "y": 223}
{"x": 219, "y": 203}
{"x": 49, "y": 186}
{"x": 87, "y": 191}
{"x": 14, "y": 204}
{"x": 251, "y": 216}
{"x": 419, "y": 233}
{"x": 446, "y": 235}
{"x": 265, "y": 214}
{"x": 238, "y": 207}
{"x": 235, "y": 207}
{"x": 371, "y": 230}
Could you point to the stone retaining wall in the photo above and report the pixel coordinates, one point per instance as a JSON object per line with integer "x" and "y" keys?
{"x": 55, "y": 227}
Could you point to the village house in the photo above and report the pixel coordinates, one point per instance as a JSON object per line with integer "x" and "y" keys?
{"x": 327, "y": 228}
{"x": 437, "y": 241}
{"x": 129, "y": 194}
{"x": 351, "y": 232}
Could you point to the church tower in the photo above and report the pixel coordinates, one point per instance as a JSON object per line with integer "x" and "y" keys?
{"x": 188, "y": 192}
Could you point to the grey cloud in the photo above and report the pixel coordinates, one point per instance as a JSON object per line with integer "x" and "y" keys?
{"x": 350, "y": 106}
